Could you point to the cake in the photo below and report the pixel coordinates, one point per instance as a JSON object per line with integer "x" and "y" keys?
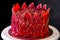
{"x": 30, "y": 21}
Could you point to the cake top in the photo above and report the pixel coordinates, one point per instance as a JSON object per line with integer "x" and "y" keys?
{"x": 30, "y": 12}
{"x": 30, "y": 8}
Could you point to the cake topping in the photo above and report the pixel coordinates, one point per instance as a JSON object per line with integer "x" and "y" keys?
{"x": 39, "y": 6}
{"x": 24, "y": 6}
{"x": 16, "y": 7}
{"x": 27, "y": 15}
{"x": 36, "y": 16}
{"x": 48, "y": 10}
{"x": 31, "y": 5}
{"x": 44, "y": 7}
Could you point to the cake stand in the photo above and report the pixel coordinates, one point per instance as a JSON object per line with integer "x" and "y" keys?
{"x": 55, "y": 36}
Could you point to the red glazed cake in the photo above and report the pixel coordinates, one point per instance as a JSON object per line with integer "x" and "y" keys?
{"x": 30, "y": 21}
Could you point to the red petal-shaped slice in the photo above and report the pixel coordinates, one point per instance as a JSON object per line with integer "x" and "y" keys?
{"x": 29, "y": 31}
{"x": 22, "y": 33}
{"x": 48, "y": 10}
{"x": 45, "y": 16}
{"x": 27, "y": 15}
{"x": 37, "y": 33}
{"x": 43, "y": 13}
{"x": 24, "y": 6}
{"x": 31, "y": 5}
{"x": 14, "y": 18}
{"x": 45, "y": 7}
{"x": 39, "y": 6}
{"x": 36, "y": 16}
{"x": 16, "y": 7}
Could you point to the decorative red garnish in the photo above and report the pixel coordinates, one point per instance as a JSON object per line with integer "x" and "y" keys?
{"x": 24, "y": 6}
{"x": 48, "y": 10}
{"x": 27, "y": 15}
{"x": 36, "y": 16}
{"x": 44, "y": 7}
{"x": 16, "y": 7}
{"x": 39, "y": 6}
{"x": 31, "y": 5}
{"x": 43, "y": 13}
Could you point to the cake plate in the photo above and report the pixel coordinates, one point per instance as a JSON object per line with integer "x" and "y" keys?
{"x": 55, "y": 36}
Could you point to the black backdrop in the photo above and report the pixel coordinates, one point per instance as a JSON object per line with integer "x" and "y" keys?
{"x": 6, "y": 5}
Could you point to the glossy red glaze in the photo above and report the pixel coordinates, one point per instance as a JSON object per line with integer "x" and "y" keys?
{"x": 30, "y": 22}
{"x": 16, "y": 7}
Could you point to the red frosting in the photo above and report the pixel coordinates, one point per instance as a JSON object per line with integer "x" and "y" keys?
{"x": 30, "y": 21}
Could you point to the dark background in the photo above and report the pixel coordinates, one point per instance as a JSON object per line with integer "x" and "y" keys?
{"x": 6, "y": 5}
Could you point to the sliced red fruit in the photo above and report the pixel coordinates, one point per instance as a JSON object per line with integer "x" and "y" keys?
{"x": 36, "y": 16}
{"x": 27, "y": 15}
{"x": 31, "y": 5}
{"x": 45, "y": 7}
{"x": 43, "y": 13}
{"x": 14, "y": 28}
{"x": 23, "y": 26}
{"x": 16, "y": 7}
{"x": 22, "y": 33}
{"x": 35, "y": 19}
{"x": 45, "y": 16}
{"x": 22, "y": 29}
{"x": 37, "y": 33}
{"x": 44, "y": 31}
{"x": 29, "y": 31}
{"x": 39, "y": 6}
{"x": 14, "y": 18}
{"x": 27, "y": 18}
{"x": 24, "y": 6}
{"x": 20, "y": 19}
{"x": 48, "y": 10}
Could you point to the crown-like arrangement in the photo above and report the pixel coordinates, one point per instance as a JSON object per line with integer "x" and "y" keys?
{"x": 30, "y": 21}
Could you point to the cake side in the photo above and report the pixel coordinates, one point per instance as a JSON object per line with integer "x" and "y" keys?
{"x": 30, "y": 21}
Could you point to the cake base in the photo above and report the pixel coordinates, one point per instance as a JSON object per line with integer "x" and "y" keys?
{"x": 41, "y": 37}
{"x": 54, "y": 36}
